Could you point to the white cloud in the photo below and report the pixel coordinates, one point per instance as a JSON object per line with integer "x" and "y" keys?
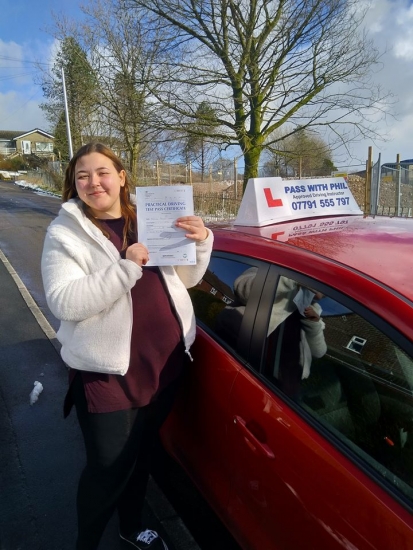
{"x": 10, "y": 49}
{"x": 389, "y": 25}
{"x": 20, "y": 95}
{"x": 15, "y": 71}
{"x": 19, "y": 112}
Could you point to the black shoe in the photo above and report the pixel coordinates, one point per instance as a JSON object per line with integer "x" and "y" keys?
{"x": 146, "y": 540}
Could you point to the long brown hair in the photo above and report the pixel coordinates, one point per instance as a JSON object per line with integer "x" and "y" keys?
{"x": 127, "y": 208}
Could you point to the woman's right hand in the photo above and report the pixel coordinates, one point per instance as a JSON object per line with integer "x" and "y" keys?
{"x": 138, "y": 253}
{"x": 311, "y": 314}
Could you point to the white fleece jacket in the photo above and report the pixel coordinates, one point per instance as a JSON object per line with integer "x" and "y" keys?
{"x": 87, "y": 287}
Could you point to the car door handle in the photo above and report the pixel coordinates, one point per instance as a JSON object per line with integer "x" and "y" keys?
{"x": 263, "y": 448}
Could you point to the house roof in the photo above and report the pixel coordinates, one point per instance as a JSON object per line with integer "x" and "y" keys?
{"x": 9, "y": 134}
{"x": 394, "y": 164}
{"x": 18, "y": 134}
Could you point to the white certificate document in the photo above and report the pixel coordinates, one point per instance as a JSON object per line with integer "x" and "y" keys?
{"x": 158, "y": 207}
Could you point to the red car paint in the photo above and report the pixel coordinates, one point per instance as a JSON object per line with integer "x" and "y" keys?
{"x": 274, "y": 479}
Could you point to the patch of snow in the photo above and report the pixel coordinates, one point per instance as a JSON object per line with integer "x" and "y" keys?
{"x": 26, "y": 185}
{"x": 36, "y": 391}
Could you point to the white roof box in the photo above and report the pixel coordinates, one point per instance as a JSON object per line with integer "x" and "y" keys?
{"x": 271, "y": 200}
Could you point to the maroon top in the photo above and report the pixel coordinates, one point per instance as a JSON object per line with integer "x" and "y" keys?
{"x": 157, "y": 348}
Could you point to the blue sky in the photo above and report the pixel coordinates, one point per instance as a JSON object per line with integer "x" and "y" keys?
{"x": 24, "y": 39}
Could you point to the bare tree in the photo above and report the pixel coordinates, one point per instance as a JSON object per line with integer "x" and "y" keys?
{"x": 264, "y": 63}
{"x": 124, "y": 54}
{"x": 198, "y": 147}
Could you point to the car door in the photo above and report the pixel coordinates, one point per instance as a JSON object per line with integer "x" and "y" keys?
{"x": 326, "y": 461}
{"x": 196, "y": 432}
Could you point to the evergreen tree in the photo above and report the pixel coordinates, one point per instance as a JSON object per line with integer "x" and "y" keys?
{"x": 81, "y": 87}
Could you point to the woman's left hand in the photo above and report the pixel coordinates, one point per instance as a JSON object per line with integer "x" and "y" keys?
{"x": 194, "y": 226}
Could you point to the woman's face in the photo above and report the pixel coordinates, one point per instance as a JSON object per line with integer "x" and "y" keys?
{"x": 98, "y": 185}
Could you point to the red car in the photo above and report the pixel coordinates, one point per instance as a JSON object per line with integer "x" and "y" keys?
{"x": 296, "y": 418}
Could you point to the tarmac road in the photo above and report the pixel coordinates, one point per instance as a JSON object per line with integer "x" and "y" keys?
{"x": 42, "y": 454}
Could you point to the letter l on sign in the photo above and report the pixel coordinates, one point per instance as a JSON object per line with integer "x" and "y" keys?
{"x": 270, "y": 200}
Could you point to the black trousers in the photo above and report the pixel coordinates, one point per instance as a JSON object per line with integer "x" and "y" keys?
{"x": 118, "y": 451}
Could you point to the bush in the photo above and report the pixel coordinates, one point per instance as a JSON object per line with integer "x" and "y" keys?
{"x": 13, "y": 164}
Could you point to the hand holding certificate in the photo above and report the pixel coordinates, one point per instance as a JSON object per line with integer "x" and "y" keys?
{"x": 167, "y": 225}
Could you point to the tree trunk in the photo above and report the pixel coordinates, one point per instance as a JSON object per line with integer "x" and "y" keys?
{"x": 251, "y": 160}
{"x": 133, "y": 163}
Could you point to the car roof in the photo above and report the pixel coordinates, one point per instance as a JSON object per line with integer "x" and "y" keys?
{"x": 379, "y": 247}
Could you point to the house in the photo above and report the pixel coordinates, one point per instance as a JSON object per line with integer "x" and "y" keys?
{"x": 36, "y": 142}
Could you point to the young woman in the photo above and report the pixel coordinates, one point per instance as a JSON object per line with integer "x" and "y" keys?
{"x": 125, "y": 331}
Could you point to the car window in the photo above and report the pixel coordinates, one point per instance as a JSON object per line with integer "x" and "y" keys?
{"x": 352, "y": 380}
{"x": 220, "y": 299}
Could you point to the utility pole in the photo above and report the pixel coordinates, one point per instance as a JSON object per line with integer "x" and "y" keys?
{"x": 69, "y": 135}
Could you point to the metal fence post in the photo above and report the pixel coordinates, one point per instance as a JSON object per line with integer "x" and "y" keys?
{"x": 398, "y": 184}
{"x": 375, "y": 186}
{"x": 367, "y": 196}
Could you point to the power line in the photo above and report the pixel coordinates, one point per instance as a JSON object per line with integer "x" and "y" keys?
{"x": 13, "y": 77}
{"x": 20, "y": 60}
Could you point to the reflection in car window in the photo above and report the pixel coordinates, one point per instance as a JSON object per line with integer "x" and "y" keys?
{"x": 295, "y": 335}
{"x": 360, "y": 389}
{"x": 220, "y": 298}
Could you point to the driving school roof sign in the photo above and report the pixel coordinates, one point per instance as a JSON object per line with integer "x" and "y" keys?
{"x": 272, "y": 200}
